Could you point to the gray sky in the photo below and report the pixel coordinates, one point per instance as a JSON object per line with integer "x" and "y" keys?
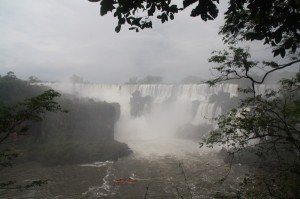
{"x": 56, "y": 39}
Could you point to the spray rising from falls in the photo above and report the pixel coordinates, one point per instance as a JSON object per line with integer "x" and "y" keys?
{"x": 191, "y": 102}
{"x": 152, "y": 115}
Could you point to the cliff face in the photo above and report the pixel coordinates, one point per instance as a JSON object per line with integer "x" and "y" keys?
{"x": 86, "y": 120}
{"x": 84, "y": 134}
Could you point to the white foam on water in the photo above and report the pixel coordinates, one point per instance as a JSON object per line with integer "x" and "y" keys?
{"x": 107, "y": 188}
{"x": 97, "y": 164}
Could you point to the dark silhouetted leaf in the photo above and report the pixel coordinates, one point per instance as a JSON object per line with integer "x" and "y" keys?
{"x": 106, "y": 6}
{"x": 288, "y": 44}
{"x": 151, "y": 10}
{"x": 118, "y": 28}
{"x": 278, "y": 37}
{"x": 171, "y": 16}
{"x": 282, "y": 52}
{"x": 294, "y": 47}
{"x": 122, "y": 20}
{"x": 187, "y": 3}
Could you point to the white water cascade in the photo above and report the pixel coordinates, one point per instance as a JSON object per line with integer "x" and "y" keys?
{"x": 172, "y": 106}
{"x": 180, "y": 96}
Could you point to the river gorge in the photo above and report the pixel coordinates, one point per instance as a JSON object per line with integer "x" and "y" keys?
{"x": 162, "y": 125}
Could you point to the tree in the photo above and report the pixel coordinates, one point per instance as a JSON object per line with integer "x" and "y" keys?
{"x": 236, "y": 64}
{"x": 16, "y": 119}
{"x": 14, "y": 90}
{"x": 10, "y": 75}
{"x": 13, "y": 119}
{"x": 266, "y": 126}
{"x": 34, "y": 79}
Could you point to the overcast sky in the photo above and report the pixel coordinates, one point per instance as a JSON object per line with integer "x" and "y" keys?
{"x": 56, "y": 39}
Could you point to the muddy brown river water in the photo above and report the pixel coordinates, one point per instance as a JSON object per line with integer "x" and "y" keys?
{"x": 194, "y": 176}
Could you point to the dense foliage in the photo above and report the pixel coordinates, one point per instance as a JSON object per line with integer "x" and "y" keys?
{"x": 276, "y": 22}
{"x": 17, "y": 117}
{"x": 138, "y": 13}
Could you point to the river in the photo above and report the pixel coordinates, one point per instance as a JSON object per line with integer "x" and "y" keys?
{"x": 189, "y": 174}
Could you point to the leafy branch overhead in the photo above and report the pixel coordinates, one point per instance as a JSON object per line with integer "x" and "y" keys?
{"x": 236, "y": 63}
{"x": 137, "y": 13}
{"x": 275, "y": 22}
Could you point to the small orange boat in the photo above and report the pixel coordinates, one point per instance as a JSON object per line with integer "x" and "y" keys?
{"x": 125, "y": 181}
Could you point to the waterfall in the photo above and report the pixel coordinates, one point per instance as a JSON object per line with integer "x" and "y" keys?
{"x": 160, "y": 113}
{"x": 189, "y": 103}
{"x": 178, "y": 98}
{"x": 171, "y": 104}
